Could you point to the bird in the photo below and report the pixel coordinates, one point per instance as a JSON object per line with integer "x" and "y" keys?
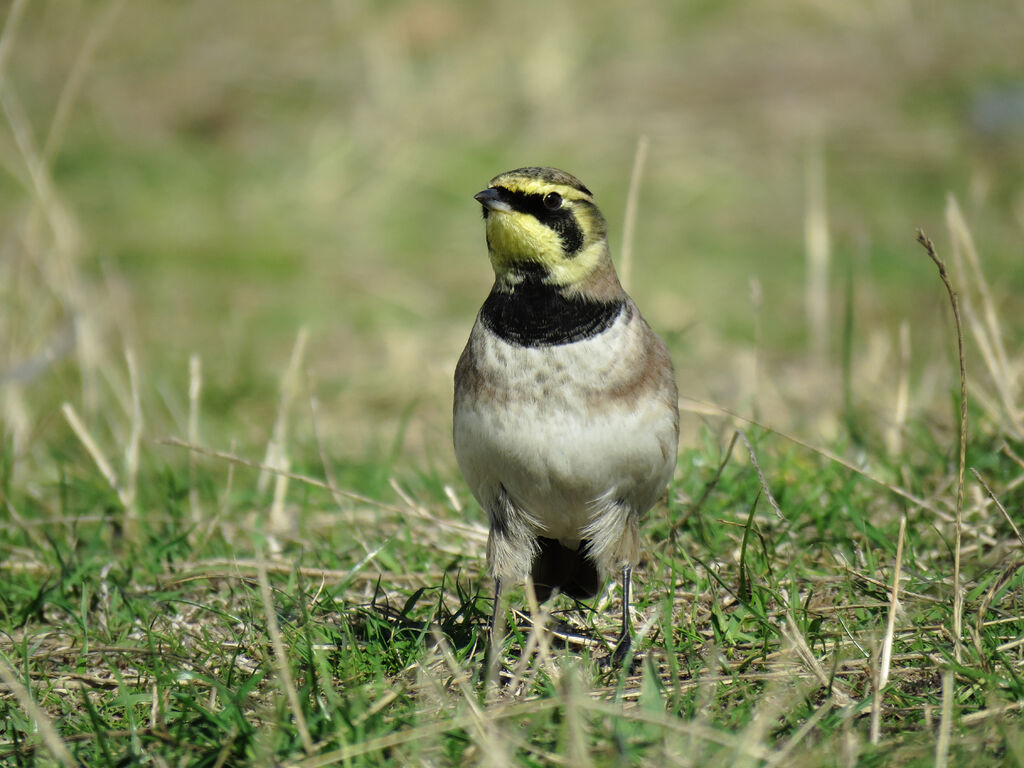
{"x": 566, "y": 415}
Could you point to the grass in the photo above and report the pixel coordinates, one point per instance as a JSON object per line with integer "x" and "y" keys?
{"x": 762, "y": 634}
{"x": 237, "y": 268}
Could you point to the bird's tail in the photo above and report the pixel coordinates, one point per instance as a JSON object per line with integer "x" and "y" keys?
{"x": 568, "y": 570}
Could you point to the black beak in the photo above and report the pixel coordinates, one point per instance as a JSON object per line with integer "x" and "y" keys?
{"x": 491, "y": 200}
{"x": 487, "y": 196}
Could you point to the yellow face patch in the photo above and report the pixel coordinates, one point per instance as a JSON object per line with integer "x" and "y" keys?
{"x": 520, "y": 233}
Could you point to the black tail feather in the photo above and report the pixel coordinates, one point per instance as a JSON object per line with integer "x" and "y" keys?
{"x": 569, "y": 571}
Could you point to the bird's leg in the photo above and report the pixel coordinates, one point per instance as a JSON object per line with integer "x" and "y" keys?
{"x": 497, "y": 641}
{"x": 625, "y": 641}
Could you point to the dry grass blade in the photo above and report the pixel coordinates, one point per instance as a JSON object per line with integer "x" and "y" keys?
{"x": 1005, "y": 448}
{"x": 958, "y": 603}
{"x": 987, "y": 334}
{"x": 632, "y": 204}
{"x": 19, "y": 522}
{"x": 10, "y": 33}
{"x": 379, "y": 705}
{"x": 71, "y": 415}
{"x": 222, "y": 568}
{"x": 816, "y": 241}
{"x": 986, "y": 602}
{"x": 73, "y": 84}
{"x": 421, "y": 734}
{"x": 890, "y": 627}
{"x": 281, "y": 654}
{"x": 61, "y": 224}
{"x": 537, "y": 641}
{"x": 961, "y": 234}
{"x": 575, "y": 722}
{"x": 275, "y": 456}
{"x": 760, "y": 475}
{"x": 278, "y": 521}
{"x": 882, "y": 585}
{"x": 195, "y": 388}
{"x": 799, "y": 644}
{"x": 885, "y": 657}
{"x": 306, "y": 479}
{"x": 985, "y": 714}
{"x": 946, "y": 721}
{"x": 314, "y": 409}
{"x": 51, "y": 739}
{"x": 487, "y": 732}
{"x": 794, "y": 741}
{"x": 473, "y": 532}
{"x": 469, "y": 530}
{"x": 131, "y": 453}
{"x": 766, "y": 715}
{"x": 756, "y": 303}
{"x": 674, "y": 725}
{"x": 496, "y": 643}
{"x": 894, "y": 435}
{"x": 999, "y": 506}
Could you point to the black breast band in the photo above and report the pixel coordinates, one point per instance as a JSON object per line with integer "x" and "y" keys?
{"x": 533, "y": 314}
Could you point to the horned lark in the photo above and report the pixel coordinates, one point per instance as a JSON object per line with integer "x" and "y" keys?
{"x": 566, "y": 409}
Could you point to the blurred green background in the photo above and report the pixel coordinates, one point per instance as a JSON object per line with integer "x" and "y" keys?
{"x": 224, "y": 173}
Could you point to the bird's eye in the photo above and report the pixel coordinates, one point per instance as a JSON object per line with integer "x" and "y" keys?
{"x": 552, "y": 201}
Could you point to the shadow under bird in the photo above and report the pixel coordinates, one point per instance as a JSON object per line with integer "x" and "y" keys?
{"x": 566, "y": 418}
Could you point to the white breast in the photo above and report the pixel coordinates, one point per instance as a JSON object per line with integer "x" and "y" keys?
{"x": 553, "y": 436}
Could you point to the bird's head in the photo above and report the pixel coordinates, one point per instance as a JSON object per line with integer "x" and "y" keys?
{"x": 542, "y": 222}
